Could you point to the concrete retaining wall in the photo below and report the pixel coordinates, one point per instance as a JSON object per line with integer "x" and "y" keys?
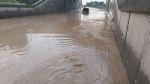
{"x": 45, "y": 7}
{"x": 133, "y": 33}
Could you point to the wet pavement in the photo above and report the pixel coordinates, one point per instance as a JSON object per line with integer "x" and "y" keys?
{"x": 64, "y": 48}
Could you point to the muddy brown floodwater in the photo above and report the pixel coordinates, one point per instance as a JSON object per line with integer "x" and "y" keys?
{"x": 64, "y": 48}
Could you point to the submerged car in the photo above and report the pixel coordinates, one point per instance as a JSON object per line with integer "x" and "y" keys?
{"x": 85, "y": 11}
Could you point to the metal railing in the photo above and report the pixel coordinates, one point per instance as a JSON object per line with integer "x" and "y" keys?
{"x": 38, "y": 3}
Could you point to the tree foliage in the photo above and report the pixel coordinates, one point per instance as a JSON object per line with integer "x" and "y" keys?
{"x": 96, "y": 4}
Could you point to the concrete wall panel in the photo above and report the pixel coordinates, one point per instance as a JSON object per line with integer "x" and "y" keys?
{"x": 123, "y": 28}
{"x": 136, "y": 36}
{"x": 134, "y": 43}
{"x": 144, "y": 72}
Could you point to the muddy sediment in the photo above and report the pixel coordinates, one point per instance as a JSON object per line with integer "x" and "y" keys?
{"x": 66, "y": 48}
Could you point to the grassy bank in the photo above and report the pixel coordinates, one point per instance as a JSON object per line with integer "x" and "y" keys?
{"x": 10, "y": 2}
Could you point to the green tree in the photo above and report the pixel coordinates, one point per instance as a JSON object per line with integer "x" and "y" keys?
{"x": 96, "y": 4}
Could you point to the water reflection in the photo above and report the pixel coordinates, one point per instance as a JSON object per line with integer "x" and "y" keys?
{"x": 20, "y": 37}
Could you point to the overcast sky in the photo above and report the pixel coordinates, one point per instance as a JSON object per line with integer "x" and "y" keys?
{"x": 85, "y": 1}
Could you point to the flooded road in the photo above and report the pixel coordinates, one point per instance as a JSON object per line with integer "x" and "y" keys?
{"x": 64, "y": 48}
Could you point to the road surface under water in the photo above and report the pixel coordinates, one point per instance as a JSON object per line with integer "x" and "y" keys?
{"x": 64, "y": 48}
